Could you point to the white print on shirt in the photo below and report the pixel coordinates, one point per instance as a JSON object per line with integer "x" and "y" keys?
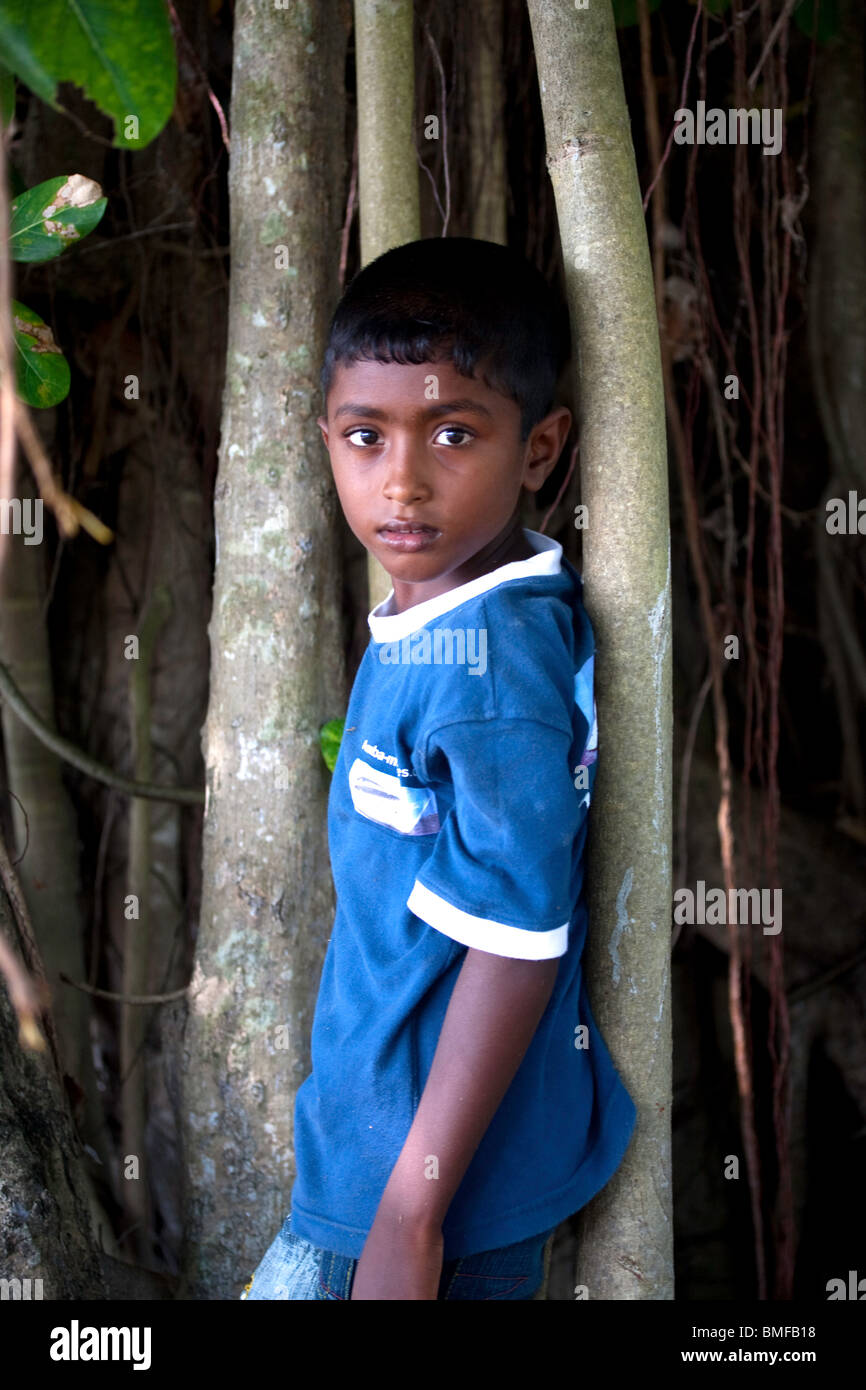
{"x": 384, "y": 757}
{"x": 381, "y": 797}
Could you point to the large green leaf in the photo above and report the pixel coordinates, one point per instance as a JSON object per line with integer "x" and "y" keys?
{"x": 330, "y": 738}
{"x": 120, "y": 52}
{"x": 828, "y": 19}
{"x": 53, "y": 215}
{"x": 41, "y": 370}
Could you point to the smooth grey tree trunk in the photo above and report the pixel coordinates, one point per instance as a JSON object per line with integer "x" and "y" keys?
{"x": 276, "y": 650}
{"x": 625, "y": 1244}
{"x": 388, "y": 201}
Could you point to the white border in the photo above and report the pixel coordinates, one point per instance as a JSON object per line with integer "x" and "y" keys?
{"x": 482, "y": 933}
{"x": 391, "y": 627}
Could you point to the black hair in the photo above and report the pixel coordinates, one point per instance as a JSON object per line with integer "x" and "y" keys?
{"x": 474, "y": 301}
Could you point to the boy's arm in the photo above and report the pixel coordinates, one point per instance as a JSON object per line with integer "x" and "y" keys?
{"x": 495, "y": 1007}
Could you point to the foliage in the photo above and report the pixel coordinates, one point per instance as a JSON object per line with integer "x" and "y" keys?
{"x": 122, "y": 56}
{"x": 330, "y": 738}
{"x": 41, "y": 370}
{"x": 44, "y": 220}
{"x": 7, "y": 96}
{"x": 625, "y": 12}
{"x": 828, "y": 18}
{"x": 53, "y": 215}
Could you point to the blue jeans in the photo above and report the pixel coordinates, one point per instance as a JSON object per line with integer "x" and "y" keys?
{"x": 292, "y": 1268}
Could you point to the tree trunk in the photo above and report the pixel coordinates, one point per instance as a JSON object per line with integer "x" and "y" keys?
{"x": 154, "y": 312}
{"x": 43, "y": 818}
{"x": 140, "y": 937}
{"x": 45, "y": 1225}
{"x": 486, "y": 122}
{"x": 626, "y": 1239}
{"x": 276, "y": 665}
{"x": 837, "y": 345}
{"x": 388, "y": 203}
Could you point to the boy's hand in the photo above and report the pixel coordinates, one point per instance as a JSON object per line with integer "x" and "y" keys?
{"x": 399, "y": 1262}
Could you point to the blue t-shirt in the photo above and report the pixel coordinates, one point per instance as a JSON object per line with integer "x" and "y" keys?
{"x": 457, "y": 818}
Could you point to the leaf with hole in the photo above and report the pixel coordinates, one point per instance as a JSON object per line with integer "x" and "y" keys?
{"x": 53, "y": 215}
{"x": 41, "y": 370}
{"x": 121, "y": 55}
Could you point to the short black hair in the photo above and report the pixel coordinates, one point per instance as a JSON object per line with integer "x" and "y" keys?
{"x": 474, "y": 301}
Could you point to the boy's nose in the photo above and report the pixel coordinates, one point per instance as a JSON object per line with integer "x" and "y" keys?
{"x": 405, "y": 475}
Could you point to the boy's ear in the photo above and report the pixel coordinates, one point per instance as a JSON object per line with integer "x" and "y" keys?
{"x": 322, "y": 422}
{"x": 544, "y": 447}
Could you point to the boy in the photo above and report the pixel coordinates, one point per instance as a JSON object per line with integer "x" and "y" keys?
{"x": 462, "y": 1102}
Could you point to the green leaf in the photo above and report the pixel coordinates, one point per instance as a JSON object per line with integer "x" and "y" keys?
{"x": 53, "y": 215}
{"x": 330, "y": 738}
{"x": 121, "y": 54}
{"x": 7, "y": 96}
{"x": 41, "y": 370}
{"x": 625, "y": 11}
{"x": 828, "y": 19}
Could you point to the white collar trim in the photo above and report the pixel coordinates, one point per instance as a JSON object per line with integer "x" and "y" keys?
{"x": 392, "y": 627}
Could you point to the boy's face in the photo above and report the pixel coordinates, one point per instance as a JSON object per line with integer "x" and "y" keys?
{"x": 423, "y": 446}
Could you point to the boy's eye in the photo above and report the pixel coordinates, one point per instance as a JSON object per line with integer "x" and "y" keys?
{"x": 446, "y": 429}
{"x": 360, "y": 430}
{"x": 456, "y": 429}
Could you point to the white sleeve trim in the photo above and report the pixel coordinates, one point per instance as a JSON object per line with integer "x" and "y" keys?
{"x": 484, "y": 934}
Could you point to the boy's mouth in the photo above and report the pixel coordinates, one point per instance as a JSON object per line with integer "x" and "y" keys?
{"x": 408, "y": 535}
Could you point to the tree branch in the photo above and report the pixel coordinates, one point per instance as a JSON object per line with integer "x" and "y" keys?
{"x": 76, "y": 758}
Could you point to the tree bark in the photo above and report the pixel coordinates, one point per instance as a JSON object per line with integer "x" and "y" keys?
{"x": 276, "y": 664}
{"x": 46, "y": 1231}
{"x": 49, "y": 867}
{"x": 837, "y": 347}
{"x": 43, "y": 817}
{"x": 486, "y": 122}
{"x": 139, "y": 936}
{"x": 388, "y": 202}
{"x": 838, "y": 271}
{"x": 625, "y": 1244}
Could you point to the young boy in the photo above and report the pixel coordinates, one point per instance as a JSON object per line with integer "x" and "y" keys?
{"x": 462, "y": 1101}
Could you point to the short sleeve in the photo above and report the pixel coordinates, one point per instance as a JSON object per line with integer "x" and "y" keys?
{"x": 501, "y": 875}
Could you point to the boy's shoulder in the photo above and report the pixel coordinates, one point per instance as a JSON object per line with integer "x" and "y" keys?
{"x": 523, "y": 642}
{"x": 540, "y": 611}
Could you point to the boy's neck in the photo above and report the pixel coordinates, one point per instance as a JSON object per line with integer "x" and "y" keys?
{"x": 511, "y": 546}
